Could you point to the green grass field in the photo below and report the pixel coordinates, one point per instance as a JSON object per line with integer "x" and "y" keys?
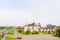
{"x": 10, "y": 38}
{"x": 11, "y": 31}
{"x": 1, "y": 37}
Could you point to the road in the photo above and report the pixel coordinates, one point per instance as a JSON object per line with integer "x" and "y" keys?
{"x": 5, "y": 33}
{"x": 39, "y": 37}
{"x": 33, "y": 37}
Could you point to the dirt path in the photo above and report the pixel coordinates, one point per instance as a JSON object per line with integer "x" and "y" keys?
{"x": 39, "y": 37}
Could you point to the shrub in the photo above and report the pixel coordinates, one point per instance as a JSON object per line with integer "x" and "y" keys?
{"x": 20, "y": 31}
{"x": 28, "y": 32}
{"x": 35, "y": 32}
{"x": 58, "y": 32}
{"x": 48, "y": 32}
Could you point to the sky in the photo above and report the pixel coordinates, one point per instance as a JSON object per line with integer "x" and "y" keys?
{"x": 21, "y": 12}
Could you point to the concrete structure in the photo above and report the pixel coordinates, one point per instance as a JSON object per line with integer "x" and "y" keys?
{"x": 37, "y": 27}
{"x": 46, "y": 29}
{"x": 32, "y": 27}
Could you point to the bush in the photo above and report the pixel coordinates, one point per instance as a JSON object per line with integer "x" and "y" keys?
{"x": 35, "y": 32}
{"x": 58, "y": 32}
{"x": 48, "y": 32}
{"x": 28, "y": 32}
{"x": 20, "y": 31}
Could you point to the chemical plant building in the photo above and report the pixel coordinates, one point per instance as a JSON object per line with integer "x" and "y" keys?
{"x": 37, "y": 27}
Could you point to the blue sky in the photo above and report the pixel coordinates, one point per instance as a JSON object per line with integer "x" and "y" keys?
{"x": 17, "y": 12}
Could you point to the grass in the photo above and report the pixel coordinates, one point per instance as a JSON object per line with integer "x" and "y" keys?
{"x": 1, "y": 37}
{"x": 11, "y": 31}
{"x": 10, "y": 38}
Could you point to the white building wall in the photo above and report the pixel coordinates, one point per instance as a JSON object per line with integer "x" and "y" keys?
{"x": 25, "y": 28}
{"x": 31, "y": 28}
